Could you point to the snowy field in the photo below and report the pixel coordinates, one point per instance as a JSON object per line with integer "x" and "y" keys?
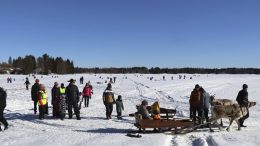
{"x": 94, "y": 130}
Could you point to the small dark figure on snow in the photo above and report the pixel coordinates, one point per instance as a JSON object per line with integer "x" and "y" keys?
{"x": 72, "y": 93}
{"x": 114, "y": 79}
{"x": 3, "y": 96}
{"x": 27, "y": 83}
{"x": 81, "y": 80}
{"x": 119, "y": 107}
{"x": 108, "y": 100}
{"x": 242, "y": 99}
{"x": 34, "y": 94}
{"x": 164, "y": 78}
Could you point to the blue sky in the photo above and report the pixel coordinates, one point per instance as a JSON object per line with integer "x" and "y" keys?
{"x": 125, "y": 33}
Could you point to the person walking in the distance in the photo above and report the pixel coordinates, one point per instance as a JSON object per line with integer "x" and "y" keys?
{"x": 72, "y": 93}
{"x": 87, "y": 91}
{"x": 34, "y": 94}
{"x": 108, "y": 100}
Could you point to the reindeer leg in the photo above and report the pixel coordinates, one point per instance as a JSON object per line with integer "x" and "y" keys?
{"x": 238, "y": 124}
{"x": 221, "y": 123}
{"x": 230, "y": 123}
{"x": 210, "y": 124}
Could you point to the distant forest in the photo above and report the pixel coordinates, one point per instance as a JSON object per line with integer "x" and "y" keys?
{"x": 47, "y": 64}
{"x": 157, "y": 70}
{"x": 42, "y": 65}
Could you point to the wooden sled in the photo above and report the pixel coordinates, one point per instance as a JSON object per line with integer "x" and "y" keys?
{"x": 164, "y": 124}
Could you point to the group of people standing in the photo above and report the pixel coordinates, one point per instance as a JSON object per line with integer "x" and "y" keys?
{"x": 62, "y": 98}
{"x": 200, "y": 103}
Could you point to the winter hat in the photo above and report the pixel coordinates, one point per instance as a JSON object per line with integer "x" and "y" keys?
{"x": 245, "y": 86}
{"x": 144, "y": 102}
{"x": 109, "y": 86}
{"x": 197, "y": 86}
{"x": 72, "y": 80}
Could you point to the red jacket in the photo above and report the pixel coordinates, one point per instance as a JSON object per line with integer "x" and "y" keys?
{"x": 87, "y": 91}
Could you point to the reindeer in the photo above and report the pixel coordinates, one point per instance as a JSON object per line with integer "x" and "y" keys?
{"x": 233, "y": 112}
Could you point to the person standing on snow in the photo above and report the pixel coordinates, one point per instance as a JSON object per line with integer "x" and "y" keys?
{"x": 204, "y": 105}
{"x": 86, "y": 93}
{"x": 27, "y": 83}
{"x": 62, "y": 101}
{"x": 72, "y": 93}
{"x": 195, "y": 102}
{"x": 119, "y": 107}
{"x": 108, "y": 100}
{"x": 242, "y": 100}
{"x": 42, "y": 101}
{"x": 3, "y": 96}
{"x": 34, "y": 94}
{"x": 55, "y": 100}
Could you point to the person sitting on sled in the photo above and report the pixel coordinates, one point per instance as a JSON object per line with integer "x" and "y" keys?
{"x": 155, "y": 110}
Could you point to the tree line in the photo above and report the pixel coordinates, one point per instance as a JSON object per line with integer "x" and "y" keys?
{"x": 157, "y": 70}
{"x": 44, "y": 64}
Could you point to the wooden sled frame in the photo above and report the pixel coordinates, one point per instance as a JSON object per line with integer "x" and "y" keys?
{"x": 166, "y": 124}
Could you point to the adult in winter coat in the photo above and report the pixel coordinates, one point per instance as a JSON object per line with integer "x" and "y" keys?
{"x": 86, "y": 93}
{"x": 2, "y": 108}
{"x": 142, "y": 110}
{"x": 119, "y": 107}
{"x": 204, "y": 105}
{"x": 242, "y": 99}
{"x": 55, "y": 100}
{"x": 72, "y": 93}
{"x": 42, "y": 101}
{"x": 34, "y": 94}
{"x": 195, "y": 101}
{"x": 108, "y": 100}
{"x": 62, "y": 101}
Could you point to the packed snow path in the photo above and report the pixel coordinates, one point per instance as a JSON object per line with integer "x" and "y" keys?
{"x": 25, "y": 128}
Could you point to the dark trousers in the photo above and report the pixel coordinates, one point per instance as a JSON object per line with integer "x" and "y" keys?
{"x": 42, "y": 111}
{"x": 241, "y": 121}
{"x": 206, "y": 114}
{"x": 194, "y": 113}
{"x": 191, "y": 110}
{"x": 119, "y": 115}
{"x": 86, "y": 100}
{"x": 2, "y": 118}
{"x": 73, "y": 105}
{"x": 46, "y": 109}
{"x": 109, "y": 109}
{"x": 55, "y": 110}
{"x": 35, "y": 106}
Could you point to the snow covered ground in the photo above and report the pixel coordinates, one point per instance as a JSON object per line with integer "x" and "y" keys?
{"x": 94, "y": 130}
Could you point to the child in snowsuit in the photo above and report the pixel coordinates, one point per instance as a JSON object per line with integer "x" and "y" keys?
{"x": 119, "y": 107}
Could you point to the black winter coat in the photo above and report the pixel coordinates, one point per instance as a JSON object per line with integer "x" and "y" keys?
{"x": 72, "y": 92}
{"x": 34, "y": 91}
{"x": 2, "y": 99}
{"x": 242, "y": 98}
{"x": 54, "y": 94}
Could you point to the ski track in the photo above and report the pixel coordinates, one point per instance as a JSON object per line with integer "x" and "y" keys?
{"x": 93, "y": 129}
